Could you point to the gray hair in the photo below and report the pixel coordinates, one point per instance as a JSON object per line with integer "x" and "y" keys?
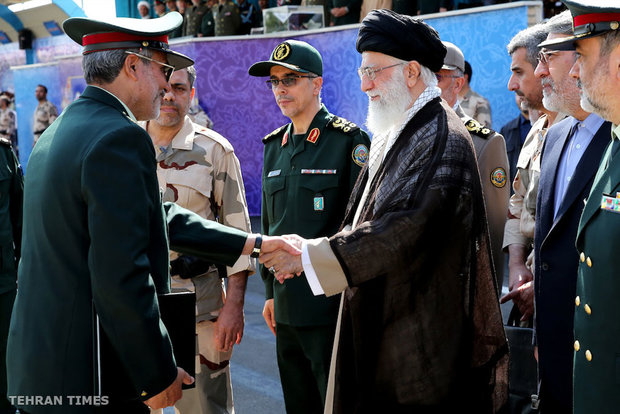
{"x": 428, "y": 77}
{"x": 529, "y": 39}
{"x": 609, "y": 41}
{"x": 104, "y": 66}
{"x": 561, "y": 23}
{"x": 191, "y": 75}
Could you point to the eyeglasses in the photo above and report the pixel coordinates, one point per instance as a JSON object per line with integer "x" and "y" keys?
{"x": 439, "y": 76}
{"x": 288, "y": 81}
{"x": 371, "y": 73}
{"x": 544, "y": 55}
{"x": 166, "y": 69}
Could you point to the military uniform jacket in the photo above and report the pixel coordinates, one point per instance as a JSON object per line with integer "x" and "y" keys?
{"x": 44, "y": 115}
{"x": 597, "y": 331}
{"x": 95, "y": 237}
{"x": 353, "y": 16}
{"x": 11, "y": 193}
{"x": 306, "y": 186}
{"x": 194, "y": 18}
{"x": 493, "y": 165}
{"x": 227, "y": 19}
{"x": 8, "y": 123}
{"x": 477, "y": 106}
{"x": 200, "y": 172}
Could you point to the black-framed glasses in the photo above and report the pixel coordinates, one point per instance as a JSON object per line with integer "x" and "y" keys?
{"x": 439, "y": 76}
{"x": 166, "y": 69}
{"x": 288, "y": 81}
{"x": 544, "y": 55}
{"x": 371, "y": 73}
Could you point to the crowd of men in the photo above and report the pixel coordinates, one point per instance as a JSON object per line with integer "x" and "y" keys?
{"x": 408, "y": 231}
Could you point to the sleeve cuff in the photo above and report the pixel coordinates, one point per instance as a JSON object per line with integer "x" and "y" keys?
{"x": 311, "y": 276}
{"x": 326, "y": 266}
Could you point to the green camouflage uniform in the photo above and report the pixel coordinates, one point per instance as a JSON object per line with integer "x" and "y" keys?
{"x": 199, "y": 171}
{"x": 44, "y": 115}
{"x": 477, "y": 107}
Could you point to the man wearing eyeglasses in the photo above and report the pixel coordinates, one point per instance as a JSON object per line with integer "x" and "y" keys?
{"x": 420, "y": 329}
{"x": 310, "y": 167}
{"x": 95, "y": 238}
{"x": 490, "y": 152}
{"x": 571, "y": 154}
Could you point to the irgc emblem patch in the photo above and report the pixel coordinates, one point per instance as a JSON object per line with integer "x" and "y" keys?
{"x": 319, "y": 203}
{"x": 281, "y": 52}
{"x": 498, "y": 177}
{"x": 360, "y": 155}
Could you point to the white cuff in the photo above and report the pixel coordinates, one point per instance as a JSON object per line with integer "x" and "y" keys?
{"x": 311, "y": 276}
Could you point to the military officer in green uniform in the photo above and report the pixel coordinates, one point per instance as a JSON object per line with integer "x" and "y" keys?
{"x": 95, "y": 247}
{"x": 344, "y": 11}
{"x": 596, "y": 376}
{"x": 227, "y": 18}
{"x": 310, "y": 167}
{"x": 11, "y": 193}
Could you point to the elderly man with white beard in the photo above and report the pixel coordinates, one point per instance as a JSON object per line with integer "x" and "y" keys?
{"x": 419, "y": 328}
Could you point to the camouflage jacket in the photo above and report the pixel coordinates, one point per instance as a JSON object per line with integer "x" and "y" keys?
{"x": 200, "y": 171}
{"x": 8, "y": 123}
{"x": 44, "y": 115}
{"x": 477, "y": 107}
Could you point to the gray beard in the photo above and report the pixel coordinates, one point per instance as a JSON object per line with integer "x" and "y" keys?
{"x": 389, "y": 111}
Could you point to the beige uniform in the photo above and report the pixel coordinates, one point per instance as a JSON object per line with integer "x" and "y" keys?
{"x": 199, "y": 171}
{"x": 522, "y": 207}
{"x": 8, "y": 123}
{"x": 477, "y": 107}
{"x": 494, "y": 172}
{"x": 44, "y": 115}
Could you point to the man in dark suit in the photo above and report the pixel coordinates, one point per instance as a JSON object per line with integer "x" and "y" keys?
{"x": 95, "y": 248}
{"x": 597, "y": 311}
{"x": 570, "y": 157}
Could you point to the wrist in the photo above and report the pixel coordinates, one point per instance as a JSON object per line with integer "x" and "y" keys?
{"x": 258, "y": 242}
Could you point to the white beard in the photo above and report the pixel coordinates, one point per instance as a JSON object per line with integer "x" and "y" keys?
{"x": 389, "y": 110}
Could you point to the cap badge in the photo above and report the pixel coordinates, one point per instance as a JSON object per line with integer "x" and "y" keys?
{"x": 614, "y": 25}
{"x": 281, "y": 52}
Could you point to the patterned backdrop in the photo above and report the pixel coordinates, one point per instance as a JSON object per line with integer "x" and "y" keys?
{"x": 243, "y": 108}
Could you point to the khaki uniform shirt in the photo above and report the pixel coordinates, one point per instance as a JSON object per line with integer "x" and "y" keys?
{"x": 477, "y": 106}
{"x": 522, "y": 206}
{"x": 44, "y": 115}
{"x": 200, "y": 172}
{"x": 8, "y": 123}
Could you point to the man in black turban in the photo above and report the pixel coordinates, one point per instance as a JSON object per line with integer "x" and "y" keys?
{"x": 420, "y": 329}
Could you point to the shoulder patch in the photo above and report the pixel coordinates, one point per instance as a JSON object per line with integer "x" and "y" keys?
{"x": 498, "y": 177}
{"x": 478, "y": 129}
{"x": 360, "y": 155}
{"x": 275, "y": 134}
{"x": 4, "y": 141}
{"x": 340, "y": 124}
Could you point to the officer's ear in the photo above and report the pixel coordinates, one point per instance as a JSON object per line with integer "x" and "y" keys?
{"x": 130, "y": 67}
{"x": 317, "y": 84}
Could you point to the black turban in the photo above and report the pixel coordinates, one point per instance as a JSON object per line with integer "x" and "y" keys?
{"x": 402, "y": 37}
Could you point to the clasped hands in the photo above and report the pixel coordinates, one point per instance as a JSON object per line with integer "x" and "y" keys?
{"x": 282, "y": 256}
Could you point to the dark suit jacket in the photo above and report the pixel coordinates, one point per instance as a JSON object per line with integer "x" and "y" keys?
{"x": 556, "y": 261}
{"x": 95, "y": 235}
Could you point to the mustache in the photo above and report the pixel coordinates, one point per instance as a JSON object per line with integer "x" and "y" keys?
{"x": 170, "y": 105}
{"x": 285, "y": 97}
{"x": 579, "y": 85}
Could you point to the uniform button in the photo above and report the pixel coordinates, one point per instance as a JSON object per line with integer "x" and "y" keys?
{"x": 576, "y": 346}
{"x": 588, "y": 355}
{"x": 577, "y": 301}
{"x": 582, "y": 257}
{"x": 589, "y": 262}
{"x": 545, "y": 266}
{"x": 587, "y": 309}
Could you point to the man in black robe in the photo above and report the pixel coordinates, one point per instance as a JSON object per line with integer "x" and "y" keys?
{"x": 420, "y": 328}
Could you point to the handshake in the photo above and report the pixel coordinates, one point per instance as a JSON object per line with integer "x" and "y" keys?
{"x": 281, "y": 255}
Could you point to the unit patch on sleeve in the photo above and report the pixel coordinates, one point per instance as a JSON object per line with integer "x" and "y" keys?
{"x": 360, "y": 155}
{"x": 498, "y": 177}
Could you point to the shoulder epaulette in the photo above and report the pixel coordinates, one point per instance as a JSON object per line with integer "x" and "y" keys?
{"x": 5, "y": 141}
{"x": 340, "y": 124}
{"x": 278, "y": 132}
{"x": 478, "y": 129}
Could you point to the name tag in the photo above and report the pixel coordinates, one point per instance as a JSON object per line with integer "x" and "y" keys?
{"x": 610, "y": 203}
{"x": 307, "y": 171}
{"x": 274, "y": 173}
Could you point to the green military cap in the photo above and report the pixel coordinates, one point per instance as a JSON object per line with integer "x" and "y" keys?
{"x": 292, "y": 54}
{"x": 590, "y": 18}
{"x": 126, "y": 33}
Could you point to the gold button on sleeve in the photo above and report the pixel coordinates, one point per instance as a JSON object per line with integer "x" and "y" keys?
{"x": 582, "y": 257}
{"x": 143, "y": 394}
{"x": 577, "y": 301}
{"x": 576, "y": 346}
{"x": 589, "y": 262}
{"x": 587, "y": 309}
{"x": 588, "y": 355}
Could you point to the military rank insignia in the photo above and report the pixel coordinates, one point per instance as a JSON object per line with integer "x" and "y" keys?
{"x": 313, "y": 136}
{"x": 319, "y": 203}
{"x": 611, "y": 203}
{"x": 498, "y": 177}
{"x": 360, "y": 155}
{"x": 284, "y": 139}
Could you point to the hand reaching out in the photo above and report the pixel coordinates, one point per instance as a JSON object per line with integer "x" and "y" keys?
{"x": 282, "y": 263}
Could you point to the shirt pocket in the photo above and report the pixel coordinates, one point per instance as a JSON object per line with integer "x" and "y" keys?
{"x": 190, "y": 189}
{"x": 275, "y": 198}
{"x": 319, "y": 196}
